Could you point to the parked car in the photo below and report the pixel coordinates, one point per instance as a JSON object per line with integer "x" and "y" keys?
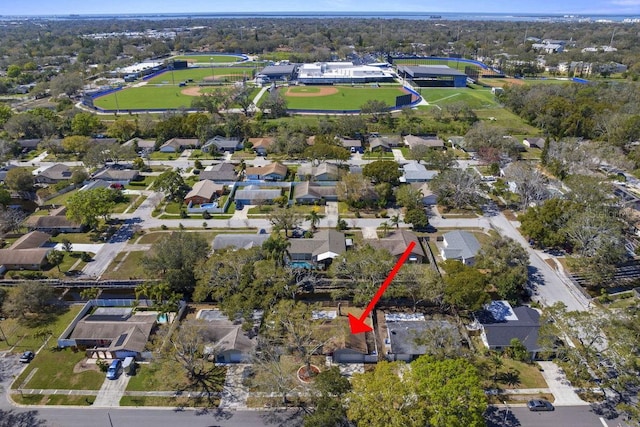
{"x": 27, "y": 356}
{"x": 114, "y": 369}
{"x": 539, "y": 405}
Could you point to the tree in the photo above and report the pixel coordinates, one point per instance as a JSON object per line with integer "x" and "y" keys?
{"x": 90, "y": 293}
{"x": 313, "y": 218}
{"x": 323, "y": 152}
{"x": 181, "y": 354}
{"x": 75, "y": 144}
{"x": 395, "y": 221}
{"x": 273, "y": 372}
{"x": 505, "y": 262}
{"x": 121, "y": 129}
{"x": 409, "y": 197}
{"x": 85, "y": 124}
{"x": 451, "y": 391}
{"x": 382, "y": 171}
{"x": 11, "y": 219}
{"x": 355, "y": 190}
{"x": 384, "y": 398}
{"x": 464, "y": 286}
{"x": 66, "y": 83}
{"x": 545, "y": 223}
{"x": 456, "y": 188}
{"x": 87, "y": 207}
{"x": 362, "y": 270}
{"x": 79, "y": 176}
{"x": 294, "y": 326}
{"x": 5, "y": 198}
{"x": 375, "y": 108}
{"x": 20, "y": 180}
{"x": 29, "y": 301}
{"x": 531, "y": 184}
{"x": 172, "y": 185}
{"x": 275, "y": 105}
{"x": 99, "y": 154}
{"x": 276, "y": 247}
{"x": 174, "y": 257}
{"x": 518, "y": 351}
{"x": 440, "y": 160}
{"x": 419, "y": 283}
{"x": 284, "y": 219}
{"x": 55, "y": 258}
{"x": 417, "y": 218}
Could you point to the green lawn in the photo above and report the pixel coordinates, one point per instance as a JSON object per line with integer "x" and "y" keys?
{"x": 53, "y": 399}
{"x": 377, "y": 155}
{"x": 347, "y": 98}
{"x": 199, "y": 74}
{"x": 61, "y": 199}
{"x": 122, "y": 268}
{"x": 506, "y": 119}
{"x": 474, "y": 98}
{"x": 55, "y": 371}
{"x": 21, "y": 337}
{"x": 527, "y": 375}
{"x": 208, "y": 59}
{"x": 142, "y": 184}
{"x": 158, "y": 155}
{"x": 149, "y": 376}
{"x": 198, "y": 154}
{"x": 429, "y": 61}
{"x": 168, "y": 401}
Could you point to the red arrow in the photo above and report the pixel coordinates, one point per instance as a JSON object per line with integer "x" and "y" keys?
{"x": 357, "y": 324}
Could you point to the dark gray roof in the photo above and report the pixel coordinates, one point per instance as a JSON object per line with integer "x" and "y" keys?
{"x": 225, "y": 335}
{"x": 130, "y": 334}
{"x": 502, "y": 323}
{"x": 397, "y": 242}
{"x": 29, "y": 143}
{"x": 403, "y": 335}
{"x": 58, "y": 172}
{"x": 220, "y": 172}
{"x": 117, "y": 174}
{"x": 430, "y": 70}
{"x": 323, "y": 245}
{"x": 238, "y": 241}
{"x": 278, "y": 70}
{"x": 253, "y": 192}
{"x": 305, "y": 189}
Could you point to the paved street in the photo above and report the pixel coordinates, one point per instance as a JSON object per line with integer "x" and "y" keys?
{"x": 566, "y": 416}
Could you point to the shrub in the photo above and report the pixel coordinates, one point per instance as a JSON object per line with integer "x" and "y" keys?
{"x": 85, "y": 257}
{"x": 206, "y": 215}
{"x": 102, "y": 364}
{"x": 164, "y": 227}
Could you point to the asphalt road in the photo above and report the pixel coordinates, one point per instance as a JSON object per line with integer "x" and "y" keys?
{"x": 565, "y": 416}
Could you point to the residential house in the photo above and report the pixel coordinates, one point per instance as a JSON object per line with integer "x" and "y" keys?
{"x": 27, "y": 145}
{"x": 460, "y": 245}
{"x": 110, "y": 332}
{"x": 238, "y": 241}
{"x": 534, "y": 142}
{"x": 220, "y": 172}
{"x": 26, "y": 253}
{"x": 345, "y": 347}
{"x": 253, "y": 195}
{"x": 228, "y": 341}
{"x": 405, "y": 335}
{"x": 499, "y": 323}
{"x": 397, "y": 242}
{"x": 3, "y": 171}
{"x": 54, "y": 174}
{"x": 177, "y": 145}
{"x": 318, "y": 251}
{"x": 271, "y": 172}
{"x": 413, "y": 141}
{"x": 143, "y": 145}
{"x": 353, "y": 145}
{"x": 416, "y": 172}
{"x": 116, "y": 176}
{"x": 54, "y": 223}
{"x": 222, "y": 144}
{"x": 204, "y": 192}
{"x": 322, "y": 172}
{"x": 386, "y": 142}
{"x": 460, "y": 143}
{"x": 305, "y": 193}
{"x": 261, "y": 145}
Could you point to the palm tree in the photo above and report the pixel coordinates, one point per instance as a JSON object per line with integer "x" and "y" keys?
{"x": 276, "y": 247}
{"x": 395, "y": 220}
{"x": 314, "y": 218}
{"x": 385, "y": 228}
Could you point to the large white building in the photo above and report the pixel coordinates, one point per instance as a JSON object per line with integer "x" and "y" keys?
{"x": 343, "y": 72}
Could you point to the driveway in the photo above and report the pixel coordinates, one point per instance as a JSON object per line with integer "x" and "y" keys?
{"x": 234, "y": 394}
{"x": 111, "y": 391}
{"x": 81, "y": 247}
{"x": 560, "y": 387}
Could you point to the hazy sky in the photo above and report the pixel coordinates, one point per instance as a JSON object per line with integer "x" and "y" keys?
{"x": 63, "y": 7}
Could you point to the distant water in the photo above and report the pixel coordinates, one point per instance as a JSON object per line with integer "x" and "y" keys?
{"x": 432, "y": 16}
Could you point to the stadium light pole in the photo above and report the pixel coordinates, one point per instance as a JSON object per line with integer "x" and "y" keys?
{"x": 211, "y": 65}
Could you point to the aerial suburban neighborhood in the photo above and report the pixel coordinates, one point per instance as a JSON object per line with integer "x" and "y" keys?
{"x": 416, "y": 222}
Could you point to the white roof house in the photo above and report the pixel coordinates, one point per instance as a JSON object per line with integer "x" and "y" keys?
{"x": 460, "y": 245}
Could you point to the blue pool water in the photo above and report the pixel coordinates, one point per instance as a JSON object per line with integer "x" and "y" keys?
{"x": 212, "y": 205}
{"x": 162, "y": 318}
{"x": 301, "y": 264}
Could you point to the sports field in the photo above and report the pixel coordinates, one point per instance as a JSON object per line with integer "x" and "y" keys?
{"x": 145, "y": 97}
{"x": 232, "y": 74}
{"x": 474, "y": 98}
{"x": 209, "y": 59}
{"x": 332, "y": 98}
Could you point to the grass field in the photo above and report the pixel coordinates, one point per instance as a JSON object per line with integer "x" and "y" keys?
{"x": 474, "y": 98}
{"x": 451, "y": 63}
{"x": 345, "y": 98}
{"x": 209, "y": 59}
{"x": 198, "y": 74}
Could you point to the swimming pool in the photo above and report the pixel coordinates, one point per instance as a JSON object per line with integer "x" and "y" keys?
{"x": 301, "y": 264}
{"x": 212, "y": 205}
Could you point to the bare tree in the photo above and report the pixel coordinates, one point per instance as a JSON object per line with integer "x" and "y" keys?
{"x": 456, "y": 188}
{"x": 531, "y": 184}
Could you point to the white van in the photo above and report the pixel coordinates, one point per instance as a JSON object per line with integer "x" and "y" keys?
{"x": 129, "y": 366}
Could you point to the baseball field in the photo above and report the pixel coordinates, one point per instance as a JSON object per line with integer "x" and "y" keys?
{"x": 232, "y": 74}
{"x": 209, "y": 59}
{"x": 333, "y": 98}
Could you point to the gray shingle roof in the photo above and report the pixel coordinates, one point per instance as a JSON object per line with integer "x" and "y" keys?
{"x": 238, "y": 241}
{"x": 460, "y": 245}
{"x": 323, "y": 245}
{"x": 502, "y": 323}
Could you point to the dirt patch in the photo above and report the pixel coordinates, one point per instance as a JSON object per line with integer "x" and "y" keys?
{"x": 83, "y": 366}
{"x": 191, "y": 91}
{"x": 220, "y": 77}
{"x": 513, "y": 81}
{"x": 324, "y": 91}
